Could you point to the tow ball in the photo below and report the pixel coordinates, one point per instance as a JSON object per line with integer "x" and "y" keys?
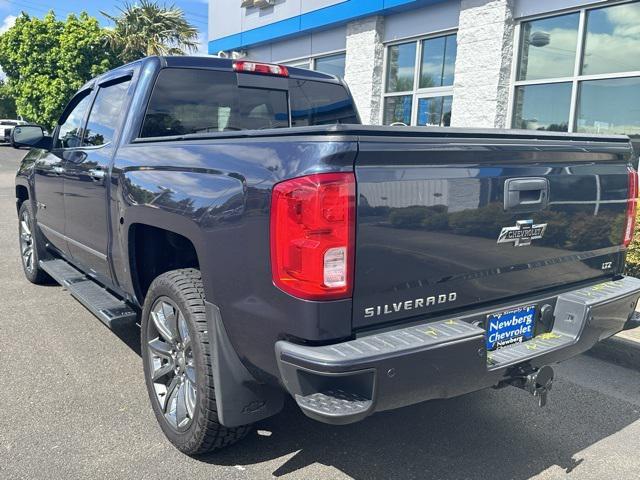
{"x": 538, "y": 383}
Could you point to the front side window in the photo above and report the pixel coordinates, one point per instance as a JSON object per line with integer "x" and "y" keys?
{"x": 419, "y": 82}
{"x": 580, "y": 83}
{"x": 70, "y": 132}
{"x": 105, "y": 113}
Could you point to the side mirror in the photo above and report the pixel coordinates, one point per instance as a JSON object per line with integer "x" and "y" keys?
{"x": 27, "y": 136}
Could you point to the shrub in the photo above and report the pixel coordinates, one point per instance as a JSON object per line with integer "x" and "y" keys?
{"x": 633, "y": 254}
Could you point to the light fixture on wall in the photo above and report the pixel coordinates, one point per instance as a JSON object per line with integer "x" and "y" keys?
{"x": 257, "y": 3}
{"x": 540, "y": 39}
{"x": 233, "y": 54}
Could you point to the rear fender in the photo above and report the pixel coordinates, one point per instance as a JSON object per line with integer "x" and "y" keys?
{"x": 189, "y": 203}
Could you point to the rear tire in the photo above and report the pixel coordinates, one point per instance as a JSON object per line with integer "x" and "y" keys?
{"x": 31, "y": 246}
{"x": 178, "y": 366}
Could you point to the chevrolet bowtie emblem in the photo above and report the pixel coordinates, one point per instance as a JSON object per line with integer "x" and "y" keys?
{"x": 523, "y": 233}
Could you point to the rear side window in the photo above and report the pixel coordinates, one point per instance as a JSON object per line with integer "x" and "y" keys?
{"x": 319, "y": 103}
{"x": 188, "y": 101}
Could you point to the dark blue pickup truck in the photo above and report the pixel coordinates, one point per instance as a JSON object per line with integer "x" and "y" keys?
{"x": 272, "y": 246}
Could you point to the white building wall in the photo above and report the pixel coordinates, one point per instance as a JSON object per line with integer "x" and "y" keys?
{"x": 483, "y": 65}
{"x": 421, "y": 21}
{"x": 525, "y": 8}
{"x": 311, "y": 45}
{"x": 364, "y": 66}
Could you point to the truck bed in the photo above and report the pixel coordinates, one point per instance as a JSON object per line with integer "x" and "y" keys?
{"x": 431, "y": 207}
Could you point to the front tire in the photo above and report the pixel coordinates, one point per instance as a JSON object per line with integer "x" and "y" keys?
{"x": 178, "y": 367}
{"x": 31, "y": 246}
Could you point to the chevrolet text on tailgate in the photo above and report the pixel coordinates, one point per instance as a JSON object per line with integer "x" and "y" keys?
{"x": 271, "y": 246}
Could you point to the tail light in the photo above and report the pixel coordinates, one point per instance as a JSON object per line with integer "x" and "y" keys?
{"x": 244, "y": 66}
{"x": 312, "y": 236}
{"x": 631, "y": 207}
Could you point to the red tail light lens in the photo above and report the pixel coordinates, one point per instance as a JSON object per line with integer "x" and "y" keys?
{"x": 313, "y": 236}
{"x": 631, "y": 207}
{"x": 261, "y": 68}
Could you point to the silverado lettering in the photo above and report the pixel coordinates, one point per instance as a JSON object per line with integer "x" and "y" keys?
{"x": 409, "y": 304}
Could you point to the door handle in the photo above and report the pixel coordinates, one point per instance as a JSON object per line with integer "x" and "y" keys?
{"x": 58, "y": 170}
{"x": 97, "y": 174}
{"x": 526, "y": 194}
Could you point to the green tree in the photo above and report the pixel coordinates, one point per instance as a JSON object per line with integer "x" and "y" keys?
{"x": 7, "y": 103}
{"x": 150, "y": 28}
{"x": 46, "y": 60}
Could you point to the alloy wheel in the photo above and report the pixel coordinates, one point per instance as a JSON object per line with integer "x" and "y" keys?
{"x": 26, "y": 241}
{"x": 172, "y": 366}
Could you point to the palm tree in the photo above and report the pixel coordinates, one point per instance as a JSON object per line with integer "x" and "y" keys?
{"x": 149, "y": 28}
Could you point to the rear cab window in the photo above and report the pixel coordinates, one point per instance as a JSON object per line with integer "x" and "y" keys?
{"x": 190, "y": 101}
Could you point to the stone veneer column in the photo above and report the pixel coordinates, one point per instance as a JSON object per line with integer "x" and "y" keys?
{"x": 483, "y": 64}
{"x": 363, "y": 67}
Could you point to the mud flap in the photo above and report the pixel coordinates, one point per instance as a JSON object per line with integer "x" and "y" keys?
{"x": 240, "y": 398}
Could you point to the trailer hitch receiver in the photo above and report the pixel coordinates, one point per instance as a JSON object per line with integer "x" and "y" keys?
{"x": 538, "y": 383}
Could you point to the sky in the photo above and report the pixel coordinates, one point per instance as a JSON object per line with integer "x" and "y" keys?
{"x": 196, "y": 11}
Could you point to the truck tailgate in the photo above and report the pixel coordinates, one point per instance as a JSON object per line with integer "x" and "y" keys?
{"x": 448, "y": 223}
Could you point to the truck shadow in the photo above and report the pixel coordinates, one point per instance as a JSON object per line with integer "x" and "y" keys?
{"x": 489, "y": 434}
{"x": 501, "y": 435}
{"x": 130, "y": 336}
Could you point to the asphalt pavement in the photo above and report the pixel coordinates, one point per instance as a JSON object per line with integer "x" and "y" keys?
{"x": 73, "y": 406}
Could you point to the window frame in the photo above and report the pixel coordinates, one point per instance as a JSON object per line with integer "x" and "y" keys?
{"x": 417, "y": 92}
{"x": 311, "y": 59}
{"x": 577, "y": 78}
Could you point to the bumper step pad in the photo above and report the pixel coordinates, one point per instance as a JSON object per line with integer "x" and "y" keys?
{"x": 109, "y": 309}
{"x": 334, "y": 402}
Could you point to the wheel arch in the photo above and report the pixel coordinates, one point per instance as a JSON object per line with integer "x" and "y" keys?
{"x": 154, "y": 250}
{"x": 22, "y": 194}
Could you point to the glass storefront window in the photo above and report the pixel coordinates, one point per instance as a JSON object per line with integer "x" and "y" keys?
{"x": 333, "y": 65}
{"x": 427, "y": 100}
{"x": 609, "y": 106}
{"x": 298, "y": 64}
{"x": 543, "y": 107}
{"x": 435, "y": 111}
{"x": 548, "y": 47}
{"x": 595, "y": 93}
{"x": 398, "y": 109}
{"x": 438, "y": 61}
{"x": 612, "y": 40}
{"x": 401, "y": 60}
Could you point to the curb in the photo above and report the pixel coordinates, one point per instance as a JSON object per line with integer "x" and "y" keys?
{"x": 618, "y": 350}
